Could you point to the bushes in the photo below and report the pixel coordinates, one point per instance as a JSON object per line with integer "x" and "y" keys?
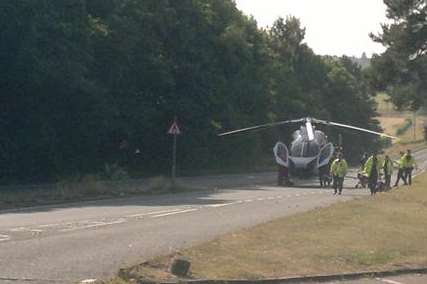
{"x": 425, "y": 130}
{"x": 405, "y": 127}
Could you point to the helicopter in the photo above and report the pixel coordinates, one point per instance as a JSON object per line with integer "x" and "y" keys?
{"x": 309, "y": 149}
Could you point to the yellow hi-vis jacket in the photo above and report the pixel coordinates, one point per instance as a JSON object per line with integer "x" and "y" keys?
{"x": 339, "y": 168}
{"x": 368, "y": 166}
{"x": 388, "y": 167}
{"x": 400, "y": 163}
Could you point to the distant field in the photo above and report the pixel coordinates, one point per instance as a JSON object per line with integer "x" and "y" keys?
{"x": 391, "y": 123}
{"x": 384, "y": 105}
{"x": 391, "y": 120}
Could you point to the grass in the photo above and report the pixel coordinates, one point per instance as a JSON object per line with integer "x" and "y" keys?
{"x": 388, "y": 231}
{"x": 384, "y": 105}
{"x": 88, "y": 188}
{"x": 392, "y": 120}
{"x": 391, "y": 124}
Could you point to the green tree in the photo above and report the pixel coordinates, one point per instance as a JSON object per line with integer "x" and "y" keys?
{"x": 401, "y": 70}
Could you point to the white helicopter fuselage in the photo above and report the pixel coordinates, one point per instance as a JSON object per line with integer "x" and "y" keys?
{"x": 307, "y": 154}
{"x": 309, "y": 149}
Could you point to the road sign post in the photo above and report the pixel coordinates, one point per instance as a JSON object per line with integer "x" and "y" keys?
{"x": 174, "y": 160}
{"x": 174, "y": 130}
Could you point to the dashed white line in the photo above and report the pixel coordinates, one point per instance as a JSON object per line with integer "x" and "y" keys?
{"x": 23, "y": 229}
{"x": 174, "y": 213}
{"x": 19, "y": 229}
{"x": 221, "y": 205}
{"x": 388, "y": 281}
{"x": 88, "y": 281}
{"x": 94, "y": 225}
{"x": 154, "y": 213}
{"x": 52, "y": 225}
{"x": 4, "y": 238}
{"x": 248, "y": 200}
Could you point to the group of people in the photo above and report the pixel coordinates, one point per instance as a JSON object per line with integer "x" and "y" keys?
{"x": 373, "y": 167}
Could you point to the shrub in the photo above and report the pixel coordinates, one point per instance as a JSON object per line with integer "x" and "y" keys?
{"x": 405, "y": 127}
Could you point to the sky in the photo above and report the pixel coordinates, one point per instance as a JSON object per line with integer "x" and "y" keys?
{"x": 333, "y": 27}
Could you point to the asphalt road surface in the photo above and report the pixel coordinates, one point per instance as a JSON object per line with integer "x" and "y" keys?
{"x": 92, "y": 240}
{"x": 402, "y": 279}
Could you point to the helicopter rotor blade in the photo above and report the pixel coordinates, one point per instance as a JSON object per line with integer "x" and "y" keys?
{"x": 353, "y": 127}
{"x": 310, "y": 130}
{"x": 262, "y": 126}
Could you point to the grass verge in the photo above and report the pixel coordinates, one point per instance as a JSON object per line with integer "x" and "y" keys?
{"x": 388, "y": 231}
{"x": 392, "y": 123}
{"x": 84, "y": 190}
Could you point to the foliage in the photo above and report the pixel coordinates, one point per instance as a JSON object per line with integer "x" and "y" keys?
{"x": 87, "y": 83}
{"x": 405, "y": 127}
{"x": 401, "y": 70}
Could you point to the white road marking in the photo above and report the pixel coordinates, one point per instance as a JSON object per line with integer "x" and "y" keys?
{"x": 23, "y": 229}
{"x": 154, "y": 213}
{"x": 388, "y": 281}
{"x": 4, "y": 238}
{"x": 248, "y": 200}
{"x": 221, "y": 205}
{"x": 94, "y": 225}
{"x": 260, "y": 199}
{"x": 51, "y": 225}
{"x": 88, "y": 281}
{"x": 174, "y": 213}
{"x": 19, "y": 229}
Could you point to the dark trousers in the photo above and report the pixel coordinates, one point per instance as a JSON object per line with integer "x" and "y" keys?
{"x": 282, "y": 176}
{"x": 408, "y": 175}
{"x": 338, "y": 184}
{"x": 388, "y": 181}
{"x": 372, "y": 184}
{"x": 400, "y": 175}
{"x": 324, "y": 176}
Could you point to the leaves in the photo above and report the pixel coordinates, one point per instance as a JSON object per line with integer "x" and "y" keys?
{"x": 401, "y": 69}
{"x": 81, "y": 77}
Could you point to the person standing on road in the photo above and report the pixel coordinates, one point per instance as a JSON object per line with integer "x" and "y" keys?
{"x": 410, "y": 164}
{"x": 339, "y": 169}
{"x": 372, "y": 169}
{"x": 400, "y": 173}
{"x": 363, "y": 160}
{"x": 283, "y": 176}
{"x": 388, "y": 171}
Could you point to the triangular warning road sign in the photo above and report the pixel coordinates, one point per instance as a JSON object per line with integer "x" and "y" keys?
{"x": 174, "y": 129}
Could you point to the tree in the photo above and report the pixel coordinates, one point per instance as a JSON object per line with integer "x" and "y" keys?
{"x": 86, "y": 83}
{"x": 402, "y": 69}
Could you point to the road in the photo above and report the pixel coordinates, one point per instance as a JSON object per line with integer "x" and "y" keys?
{"x": 92, "y": 240}
{"x": 401, "y": 279}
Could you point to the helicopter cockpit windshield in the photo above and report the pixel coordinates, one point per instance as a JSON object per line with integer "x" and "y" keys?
{"x": 305, "y": 149}
{"x": 302, "y": 146}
